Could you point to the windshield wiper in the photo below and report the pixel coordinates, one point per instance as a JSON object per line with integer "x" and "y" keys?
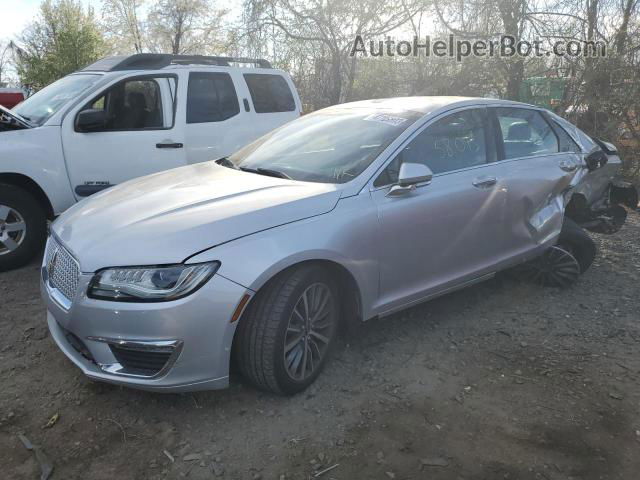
{"x": 225, "y": 162}
{"x": 266, "y": 171}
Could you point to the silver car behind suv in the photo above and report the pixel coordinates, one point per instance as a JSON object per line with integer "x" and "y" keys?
{"x": 352, "y": 212}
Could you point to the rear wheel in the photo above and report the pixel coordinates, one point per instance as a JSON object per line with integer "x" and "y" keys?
{"x": 561, "y": 265}
{"x": 575, "y": 240}
{"x": 287, "y": 333}
{"x": 22, "y": 227}
{"x": 556, "y": 267}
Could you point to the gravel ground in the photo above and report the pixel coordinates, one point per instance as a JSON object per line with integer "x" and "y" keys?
{"x": 499, "y": 381}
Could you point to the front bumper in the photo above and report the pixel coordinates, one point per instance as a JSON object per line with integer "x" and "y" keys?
{"x": 192, "y": 336}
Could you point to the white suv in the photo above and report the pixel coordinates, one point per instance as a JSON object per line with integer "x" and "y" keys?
{"x": 123, "y": 117}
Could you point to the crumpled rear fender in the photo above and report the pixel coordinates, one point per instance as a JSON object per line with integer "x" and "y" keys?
{"x": 544, "y": 214}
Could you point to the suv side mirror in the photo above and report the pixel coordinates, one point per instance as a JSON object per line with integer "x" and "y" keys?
{"x": 409, "y": 176}
{"x": 91, "y": 120}
{"x": 596, "y": 160}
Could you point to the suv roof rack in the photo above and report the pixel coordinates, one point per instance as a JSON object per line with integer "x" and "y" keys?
{"x": 154, "y": 61}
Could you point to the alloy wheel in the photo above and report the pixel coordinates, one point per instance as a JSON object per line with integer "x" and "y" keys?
{"x": 557, "y": 267}
{"x": 13, "y": 229}
{"x": 309, "y": 331}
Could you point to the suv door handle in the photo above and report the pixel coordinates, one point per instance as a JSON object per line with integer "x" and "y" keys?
{"x": 483, "y": 182}
{"x": 169, "y": 145}
{"x": 568, "y": 165}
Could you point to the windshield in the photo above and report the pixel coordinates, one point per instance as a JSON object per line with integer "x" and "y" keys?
{"x": 329, "y": 146}
{"x": 40, "y": 106}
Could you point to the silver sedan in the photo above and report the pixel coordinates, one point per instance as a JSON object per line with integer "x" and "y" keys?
{"x": 350, "y": 213}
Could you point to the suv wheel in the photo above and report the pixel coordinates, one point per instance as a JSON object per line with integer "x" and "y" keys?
{"x": 23, "y": 226}
{"x": 287, "y": 333}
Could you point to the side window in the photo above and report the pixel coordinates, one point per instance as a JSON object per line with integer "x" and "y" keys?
{"x": 269, "y": 93}
{"x": 567, "y": 144}
{"x": 525, "y": 133}
{"x": 137, "y": 104}
{"x": 211, "y": 97}
{"x": 454, "y": 142}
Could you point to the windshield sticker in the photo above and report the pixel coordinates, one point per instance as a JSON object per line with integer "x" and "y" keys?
{"x": 383, "y": 118}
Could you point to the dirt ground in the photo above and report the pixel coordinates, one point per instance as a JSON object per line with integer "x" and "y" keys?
{"x": 500, "y": 381}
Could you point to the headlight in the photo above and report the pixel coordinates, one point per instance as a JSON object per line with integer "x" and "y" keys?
{"x": 150, "y": 284}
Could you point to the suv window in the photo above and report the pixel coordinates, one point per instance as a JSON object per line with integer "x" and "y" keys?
{"x": 136, "y": 105}
{"x": 525, "y": 133}
{"x": 211, "y": 97}
{"x": 269, "y": 93}
{"x": 454, "y": 142}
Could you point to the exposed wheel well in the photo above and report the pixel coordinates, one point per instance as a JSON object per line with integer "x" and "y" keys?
{"x": 30, "y": 186}
{"x": 577, "y": 208}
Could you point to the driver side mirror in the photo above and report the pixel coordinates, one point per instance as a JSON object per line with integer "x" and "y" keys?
{"x": 596, "y": 160}
{"x": 91, "y": 120}
{"x": 410, "y": 175}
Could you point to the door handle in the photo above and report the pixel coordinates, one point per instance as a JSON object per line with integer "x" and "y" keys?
{"x": 169, "y": 145}
{"x": 483, "y": 182}
{"x": 568, "y": 165}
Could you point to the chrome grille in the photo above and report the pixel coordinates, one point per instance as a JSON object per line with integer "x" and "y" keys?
{"x": 63, "y": 271}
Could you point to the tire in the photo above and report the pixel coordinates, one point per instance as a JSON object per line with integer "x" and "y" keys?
{"x": 270, "y": 322}
{"x": 575, "y": 240}
{"x": 19, "y": 207}
{"x": 561, "y": 265}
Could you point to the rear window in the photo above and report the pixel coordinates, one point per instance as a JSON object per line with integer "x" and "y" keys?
{"x": 270, "y": 93}
{"x": 211, "y": 97}
{"x": 525, "y": 133}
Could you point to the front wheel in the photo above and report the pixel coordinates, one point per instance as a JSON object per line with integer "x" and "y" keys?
{"x": 287, "y": 333}
{"x": 23, "y": 225}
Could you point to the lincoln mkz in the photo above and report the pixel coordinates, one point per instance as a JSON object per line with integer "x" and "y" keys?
{"x": 259, "y": 259}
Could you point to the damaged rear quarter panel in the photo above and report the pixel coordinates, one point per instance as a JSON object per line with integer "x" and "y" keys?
{"x": 538, "y": 191}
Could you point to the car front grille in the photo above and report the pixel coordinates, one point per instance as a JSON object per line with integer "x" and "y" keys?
{"x": 145, "y": 362}
{"x": 63, "y": 271}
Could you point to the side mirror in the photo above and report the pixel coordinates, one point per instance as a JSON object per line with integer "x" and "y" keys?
{"x": 409, "y": 176}
{"x": 596, "y": 160}
{"x": 91, "y": 120}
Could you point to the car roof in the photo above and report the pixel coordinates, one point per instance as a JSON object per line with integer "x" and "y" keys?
{"x": 424, "y": 105}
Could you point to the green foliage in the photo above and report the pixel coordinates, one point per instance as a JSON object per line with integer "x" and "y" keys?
{"x": 63, "y": 39}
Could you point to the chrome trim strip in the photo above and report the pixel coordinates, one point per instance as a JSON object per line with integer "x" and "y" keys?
{"x": 118, "y": 369}
{"x": 56, "y": 295}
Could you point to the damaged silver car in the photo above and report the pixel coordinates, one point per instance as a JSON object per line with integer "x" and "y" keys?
{"x": 350, "y": 213}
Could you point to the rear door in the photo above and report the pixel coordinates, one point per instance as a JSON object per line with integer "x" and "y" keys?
{"x": 537, "y": 174}
{"x": 216, "y": 122}
{"x": 228, "y": 109}
{"x": 141, "y": 135}
{"x": 274, "y": 101}
{"x": 449, "y": 231}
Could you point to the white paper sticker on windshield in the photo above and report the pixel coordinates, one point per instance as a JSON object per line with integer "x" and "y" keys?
{"x": 384, "y": 118}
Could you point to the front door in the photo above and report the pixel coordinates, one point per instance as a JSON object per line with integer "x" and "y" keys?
{"x": 448, "y": 231}
{"x": 140, "y": 135}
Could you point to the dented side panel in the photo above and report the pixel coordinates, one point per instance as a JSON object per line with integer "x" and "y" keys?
{"x": 538, "y": 189}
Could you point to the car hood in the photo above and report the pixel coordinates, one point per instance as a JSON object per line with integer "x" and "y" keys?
{"x": 166, "y": 217}
{"x": 11, "y": 121}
